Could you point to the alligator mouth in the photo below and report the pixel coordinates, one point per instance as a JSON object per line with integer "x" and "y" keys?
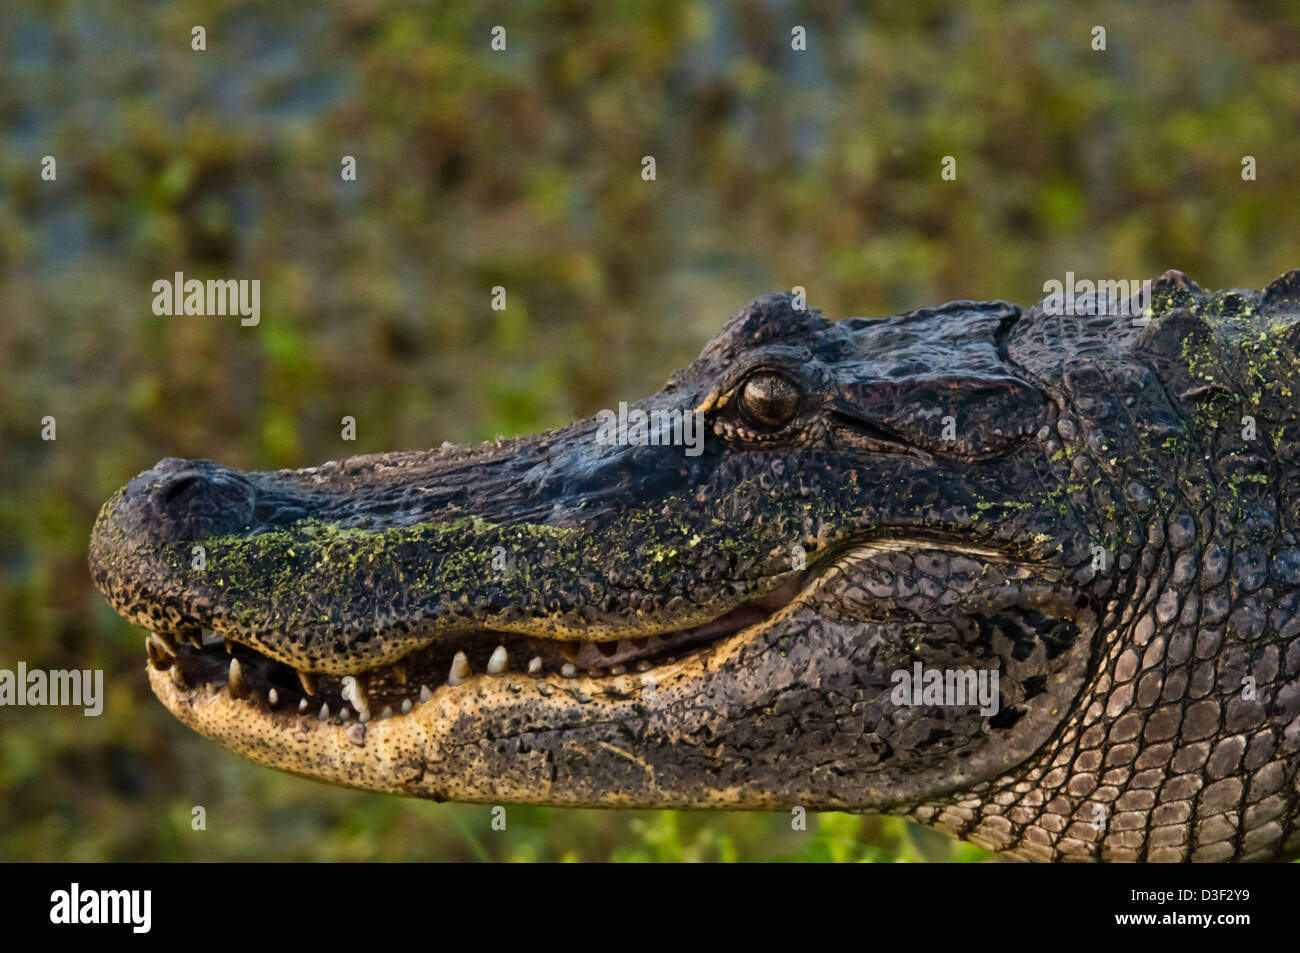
{"x": 202, "y": 664}
{"x": 205, "y": 667}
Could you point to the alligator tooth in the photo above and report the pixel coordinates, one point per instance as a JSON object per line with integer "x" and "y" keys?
{"x": 354, "y": 692}
{"x": 273, "y": 697}
{"x": 497, "y": 663}
{"x": 363, "y": 717}
{"x": 230, "y": 647}
{"x": 406, "y": 706}
{"x": 425, "y": 695}
{"x": 168, "y": 640}
{"x": 302, "y": 706}
{"x": 460, "y": 670}
{"x": 193, "y": 636}
{"x": 324, "y": 712}
{"x": 387, "y": 712}
{"x": 596, "y": 672}
{"x": 160, "y": 657}
{"x": 344, "y": 713}
{"x": 309, "y": 681}
{"x": 568, "y": 670}
{"x": 235, "y": 683}
{"x": 535, "y": 665}
{"x": 399, "y": 672}
{"x": 643, "y": 666}
{"x": 617, "y": 669}
{"x": 178, "y": 679}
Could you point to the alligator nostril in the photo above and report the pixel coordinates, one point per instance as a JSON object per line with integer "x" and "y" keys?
{"x": 197, "y": 500}
{"x": 178, "y": 486}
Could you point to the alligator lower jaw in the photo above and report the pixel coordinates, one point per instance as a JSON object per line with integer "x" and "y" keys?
{"x": 209, "y": 666}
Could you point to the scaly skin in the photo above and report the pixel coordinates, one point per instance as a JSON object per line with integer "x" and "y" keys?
{"x": 1074, "y": 502}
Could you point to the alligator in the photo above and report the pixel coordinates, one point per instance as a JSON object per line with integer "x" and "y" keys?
{"x": 1100, "y": 504}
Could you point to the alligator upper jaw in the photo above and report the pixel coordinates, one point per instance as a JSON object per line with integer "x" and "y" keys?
{"x": 356, "y": 564}
{"x": 199, "y": 660}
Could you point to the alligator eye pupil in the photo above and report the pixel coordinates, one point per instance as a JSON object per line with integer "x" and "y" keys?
{"x": 770, "y": 399}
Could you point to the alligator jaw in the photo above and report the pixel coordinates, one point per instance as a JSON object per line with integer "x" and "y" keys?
{"x": 212, "y": 663}
{"x": 608, "y": 723}
{"x": 386, "y": 729}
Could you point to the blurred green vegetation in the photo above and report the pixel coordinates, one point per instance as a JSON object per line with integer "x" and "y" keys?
{"x": 522, "y": 169}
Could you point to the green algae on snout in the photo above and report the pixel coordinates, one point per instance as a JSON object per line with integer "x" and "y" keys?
{"x": 262, "y": 578}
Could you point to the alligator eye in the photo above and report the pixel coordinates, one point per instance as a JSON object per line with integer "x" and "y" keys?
{"x": 769, "y": 399}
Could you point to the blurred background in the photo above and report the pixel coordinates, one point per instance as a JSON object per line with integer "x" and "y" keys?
{"x": 522, "y": 168}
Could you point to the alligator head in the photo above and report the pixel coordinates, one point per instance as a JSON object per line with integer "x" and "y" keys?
{"x": 645, "y": 615}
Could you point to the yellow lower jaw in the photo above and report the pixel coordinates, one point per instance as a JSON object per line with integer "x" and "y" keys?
{"x": 402, "y": 754}
{"x": 382, "y": 755}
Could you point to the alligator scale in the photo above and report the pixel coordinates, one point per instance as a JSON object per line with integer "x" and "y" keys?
{"x": 1101, "y": 509}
